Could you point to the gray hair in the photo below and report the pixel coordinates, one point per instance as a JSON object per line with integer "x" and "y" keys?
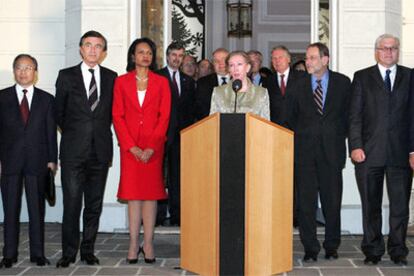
{"x": 386, "y": 36}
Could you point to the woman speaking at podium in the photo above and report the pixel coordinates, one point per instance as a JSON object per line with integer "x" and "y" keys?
{"x": 240, "y": 95}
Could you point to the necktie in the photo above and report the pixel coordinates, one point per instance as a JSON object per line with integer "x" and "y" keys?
{"x": 318, "y": 96}
{"x": 24, "y": 107}
{"x": 282, "y": 84}
{"x": 93, "y": 92}
{"x": 387, "y": 80}
{"x": 223, "y": 80}
{"x": 177, "y": 91}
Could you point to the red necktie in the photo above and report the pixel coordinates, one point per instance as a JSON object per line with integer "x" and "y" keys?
{"x": 24, "y": 107}
{"x": 282, "y": 84}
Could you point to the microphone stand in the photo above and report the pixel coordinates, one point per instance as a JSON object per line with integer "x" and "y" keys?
{"x": 235, "y": 102}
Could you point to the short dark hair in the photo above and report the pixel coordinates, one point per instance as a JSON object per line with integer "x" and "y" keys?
{"x": 131, "y": 53}
{"x": 175, "y": 45}
{"x": 93, "y": 34}
{"x": 323, "y": 49}
{"x": 16, "y": 59}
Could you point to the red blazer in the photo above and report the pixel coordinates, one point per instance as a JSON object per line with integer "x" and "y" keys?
{"x": 145, "y": 126}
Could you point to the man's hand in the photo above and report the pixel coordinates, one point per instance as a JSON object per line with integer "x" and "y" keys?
{"x": 358, "y": 155}
{"x": 52, "y": 166}
{"x": 412, "y": 160}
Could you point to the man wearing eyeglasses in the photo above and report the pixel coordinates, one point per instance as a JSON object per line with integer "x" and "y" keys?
{"x": 84, "y": 116}
{"x": 28, "y": 147}
{"x": 378, "y": 142}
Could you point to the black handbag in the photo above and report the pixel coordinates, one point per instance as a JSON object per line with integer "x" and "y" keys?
{"x": 50, "y": 191}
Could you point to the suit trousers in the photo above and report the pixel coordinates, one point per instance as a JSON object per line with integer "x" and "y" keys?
{"x": 174, "y": 180}
{"x": 370, "y": 182}
{"x": 82, "y": 180}
{"x": 323, "y": 178}
{"x": 11, "y": 191}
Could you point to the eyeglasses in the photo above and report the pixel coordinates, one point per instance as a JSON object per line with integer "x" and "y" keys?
{"x": 24, "y": 68}
{"x": 388, "y": 49}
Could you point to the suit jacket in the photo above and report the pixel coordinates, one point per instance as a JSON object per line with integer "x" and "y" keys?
{"x": 27, "y": 149}
{"x": 411, "y": 112}
{"x": 202, "y": 101}
{"x": 143, "y": 126}
{"x": 79, "y": 125}
{"x": 379, "y": 119}
{"x": 278, "y": 103}
{"x": 313, "y": 130}
{"x": 182, "y": 107}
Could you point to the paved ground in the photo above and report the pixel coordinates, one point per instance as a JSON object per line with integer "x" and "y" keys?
{"x": 111, "y": 249}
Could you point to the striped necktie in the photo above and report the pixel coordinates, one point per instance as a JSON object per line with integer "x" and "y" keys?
{"x": 93, "y": 92}
{"x": 318, "y": 97}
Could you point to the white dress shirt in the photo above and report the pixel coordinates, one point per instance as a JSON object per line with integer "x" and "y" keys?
{"x": 383, "y": 71}
{"x": 87, "y": 77}
{"x": 177, "y": 78}
{"x": 20, "y": 94}
{"x": 285, "y": 78}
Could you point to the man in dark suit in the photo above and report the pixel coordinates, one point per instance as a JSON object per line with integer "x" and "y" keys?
{"x": 28, "y": 147}
{"x": 182, "y": 104}
{"x": 256, "y": 59}
{"x": 378, "y": 142}
{"x": 84, "y": 115}
{"x": 319, "y": 115}
{"x": 205, "y": 85}
{"x": 279, "y": 85}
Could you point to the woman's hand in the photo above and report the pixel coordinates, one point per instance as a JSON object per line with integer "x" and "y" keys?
{"x": 146, "y": 155}
{"x": 136, "y": 152}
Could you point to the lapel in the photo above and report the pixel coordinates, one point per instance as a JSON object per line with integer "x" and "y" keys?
{"x": 151, "y": 89}
{"x": 183, "y": 85}
{"x": 34, "y": 106}
{"x": 313, "y": 106}
{"x": 14, "y": 100}
{"x": 398, "y": 78}
{"x": 329, "y": 94}
{"x": 376, "y": 75}
{"x": 132, "y": 89}
{"x": 80, "y": 85}
{"x": 103, "y": 93}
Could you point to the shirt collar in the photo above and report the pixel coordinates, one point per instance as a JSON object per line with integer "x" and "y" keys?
{"x": 20, "y": 88}
{"x": 383, "y": 69}
{"x": 85, "y": 67}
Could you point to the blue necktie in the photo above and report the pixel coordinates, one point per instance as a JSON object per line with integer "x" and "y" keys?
{"x": 387, "y": 80}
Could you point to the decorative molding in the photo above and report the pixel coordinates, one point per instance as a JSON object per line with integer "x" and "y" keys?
{"x": 35, "y": 53}
{"x": 32, "y": 19}
{"x": 95, "y": 8}
{"x": 372, "y": 10}
{"x": 268, "y": 19}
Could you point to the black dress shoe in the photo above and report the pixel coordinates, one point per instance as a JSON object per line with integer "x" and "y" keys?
{"x": 148, "y": 261}
{"x": 310, "y": 257}
{"x": 90, "y": 259}
{"x": 65, "y": 261}
{"x": 332, "y": 253}
{"x": 132, "y": 261}
{"x": 40, "y": 261}
{"x": 399, "y": 260}
{"x": 8, "y": 262}
{"x": 372, "y": 259}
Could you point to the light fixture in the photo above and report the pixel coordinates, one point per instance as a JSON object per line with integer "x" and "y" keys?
{"x": 239, "y": 18}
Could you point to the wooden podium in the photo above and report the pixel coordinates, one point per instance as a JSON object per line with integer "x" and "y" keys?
{"x": 236, "y": 196}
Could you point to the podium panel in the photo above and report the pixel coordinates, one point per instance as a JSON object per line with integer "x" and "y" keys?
{"x": 236, "y": 196}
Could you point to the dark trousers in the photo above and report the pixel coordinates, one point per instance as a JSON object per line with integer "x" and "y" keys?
{"x": 11, "y": 192}
{"x": 371, "y": 184}
{"x": 325, "y": 179}
{"x": 174, "y": 180}
{"x": 82, "y": 180}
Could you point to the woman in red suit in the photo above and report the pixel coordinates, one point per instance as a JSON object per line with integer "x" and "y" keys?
{"x": 141, "y": 111}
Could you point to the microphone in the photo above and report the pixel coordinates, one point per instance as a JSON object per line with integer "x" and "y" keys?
{"x": 236, "y": 86}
